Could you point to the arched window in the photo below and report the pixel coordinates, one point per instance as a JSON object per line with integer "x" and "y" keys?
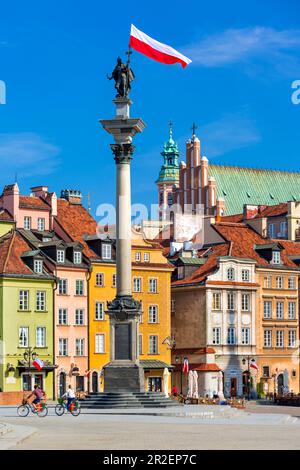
{"x": 230, "y": 274}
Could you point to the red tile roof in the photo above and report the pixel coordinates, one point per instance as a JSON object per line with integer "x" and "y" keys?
{"x": 77, "y": 222}
{"x": 31, "y": 202}
{"x": 273, "y": 211}
{"x": 232, "y": 218}
{"x": 12, "y": 246}
{"x": 5, "y": 216}
{"x": 203, "y": 367}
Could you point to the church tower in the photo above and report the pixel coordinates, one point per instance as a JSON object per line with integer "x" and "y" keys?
{"x": 168, "y": 176}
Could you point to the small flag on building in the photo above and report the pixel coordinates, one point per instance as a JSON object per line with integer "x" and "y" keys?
{"x": 185, "y": 366}
{"x": 158, "y": 51}
{"x": 253, "y": 364}
{"x": 38, "y": 363}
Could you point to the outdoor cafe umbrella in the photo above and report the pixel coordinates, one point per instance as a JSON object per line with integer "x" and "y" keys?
{"x": 190, "y": 384}
{"x": 195, "y": 388}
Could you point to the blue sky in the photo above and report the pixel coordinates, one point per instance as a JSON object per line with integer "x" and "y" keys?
{"x": 54, "y": 58}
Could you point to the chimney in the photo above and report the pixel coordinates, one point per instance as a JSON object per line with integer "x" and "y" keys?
{"x": 250, "y": 211}
{"x": 74, "y": 196}
{"x": 220, "y": 207}
{"x": 38, "y": 191}
{"x": 11, "y": 198}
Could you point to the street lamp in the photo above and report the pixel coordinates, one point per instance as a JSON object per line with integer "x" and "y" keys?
{"x": 244, "y": 361}
{"x": 29, "y": 355}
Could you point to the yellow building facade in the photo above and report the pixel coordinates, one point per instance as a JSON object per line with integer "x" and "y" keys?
{"x": 151, "y": 285}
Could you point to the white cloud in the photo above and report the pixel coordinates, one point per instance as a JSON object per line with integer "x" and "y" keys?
{"x": 243, "y": 45}
{"x": 28, "y": 154}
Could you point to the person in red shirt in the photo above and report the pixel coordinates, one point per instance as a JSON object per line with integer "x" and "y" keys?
{"x": 174, "y": 391}
{"x": 38, "y": 395}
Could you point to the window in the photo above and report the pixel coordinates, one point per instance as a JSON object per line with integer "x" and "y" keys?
{"x": 41, "y": 224}
{"x": 267, "y": 309}
{"x": 23, "y": 336}
{"x": 79, "y": 287}
{"x": 60, "y": 256}
{"x": 140, "y": 345}
{"x": 24, "y": 300}
{"x": 77, "y": 257}
{"x": 153, "y": 344}
{"x": 27, "y": 223}
{"x": 38, "y": 266}
{"x": 100, "y": 280}
{"x": 245, "y": 302}
{"x": 63, "y": 286}
{"x": 230, "y": 300}
{"x": 170, "y": 199}
{"x": 271, "y": 230}
{"x": 291, "y": 283}
{"x": 153, "y": 285}
{"x": 99, "y": 343}
{"x": 216, "y": 301}
{"x": 137, "y": 284}
{"x": 230, "y": 335}
{"x": 40, "y": 337}
{"x": 99, "y": 311}
{"x": 62, "y": 316}
{"x": 279, "y": 282}
{"x": 230, "y": 274}
{"x": 268, "y": 282}
{"x": 146, "y": 257}
{"x": 180, "y": 272}
{"x": 292, "y": 339}
{"x": 153, "y": 314}
{"x": 63, "y": 347}
{"x": 279, "y": 310}
{"x": 245, "y": 275}
{"x": 245, "y": 335}
{"x": 106, "y": 251}
{"x": 267, "y": 338}
{"x": 79, "y": 347}
{"x": 276, "y": 257}
{"x": 41, "y": 300}
{"x": 79, "y": 316}
{"x": 137, "y": 256}
{"x": 283, "y": 229}
{"x": 216, "y": 335}
{"x": 292, "y": 310}
{"x": 266, "y": 371}
{"x": 114, "y": 280}
{"x": 279, "y": 339}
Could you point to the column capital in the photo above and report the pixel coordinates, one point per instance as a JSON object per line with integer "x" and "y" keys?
{"x": 122, "y": 152}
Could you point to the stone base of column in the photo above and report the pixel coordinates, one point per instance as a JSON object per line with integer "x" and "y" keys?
{"x": 123, "y": 378}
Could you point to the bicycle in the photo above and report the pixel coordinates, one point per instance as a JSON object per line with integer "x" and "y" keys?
{"x": 62, "y": 408}
{"x": 40, "y": 409}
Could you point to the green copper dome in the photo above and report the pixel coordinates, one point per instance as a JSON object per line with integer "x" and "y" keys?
{"x": 170, "y": 169}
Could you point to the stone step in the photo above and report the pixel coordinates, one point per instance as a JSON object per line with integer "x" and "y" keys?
{"x": 127, "y": 400}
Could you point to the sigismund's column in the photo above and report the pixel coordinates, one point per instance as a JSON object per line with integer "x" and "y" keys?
{"x": 123, "y": 373}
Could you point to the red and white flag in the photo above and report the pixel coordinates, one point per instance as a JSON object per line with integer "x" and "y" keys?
{"x": 185, "y": 366}
{"x": 38, "y": 363}
{"x": 253, "y": 364}
{"x": 148, "y": 46}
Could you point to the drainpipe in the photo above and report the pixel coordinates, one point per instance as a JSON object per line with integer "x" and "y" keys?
{"x": 88, "y": 277}
{"x": 54, "y": 335}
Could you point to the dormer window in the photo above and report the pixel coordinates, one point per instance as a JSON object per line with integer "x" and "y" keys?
{"x": 276, "y": 258}
{"x": 38, "y": 266}
{"x": 230, "y": 274}
{"x": 27, "y": 223}
{"x": 41, "y": 224}
{"x": 77, "y": 257}
{"x": 60, "y": 256}
{"x": 106, "y": 251}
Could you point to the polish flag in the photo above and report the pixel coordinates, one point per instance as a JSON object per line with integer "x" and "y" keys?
{"x": 185, "y": 366}
{"x": 38, "y": 363}
{"x": 253, "y": 364}
{"x": 154, "y": 49}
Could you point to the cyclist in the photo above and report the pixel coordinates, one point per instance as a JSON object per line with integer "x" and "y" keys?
{"x": 70, "y": 396}
{"x": 38, "y": 393}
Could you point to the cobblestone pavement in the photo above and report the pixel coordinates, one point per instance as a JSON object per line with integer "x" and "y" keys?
{"x": 254, "y": 407}
{"x": 104, "y": 431}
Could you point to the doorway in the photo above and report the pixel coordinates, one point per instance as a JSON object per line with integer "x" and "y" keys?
{"x": 154, "y": 384}
{"x": 62, "y": 384}
{"x": 80, "y": 383}
{"x": 95, "y": 382}
{"x": 246, "y": 383}
{"x": 280, "y": 384}
{"x": 233, "y": 387}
